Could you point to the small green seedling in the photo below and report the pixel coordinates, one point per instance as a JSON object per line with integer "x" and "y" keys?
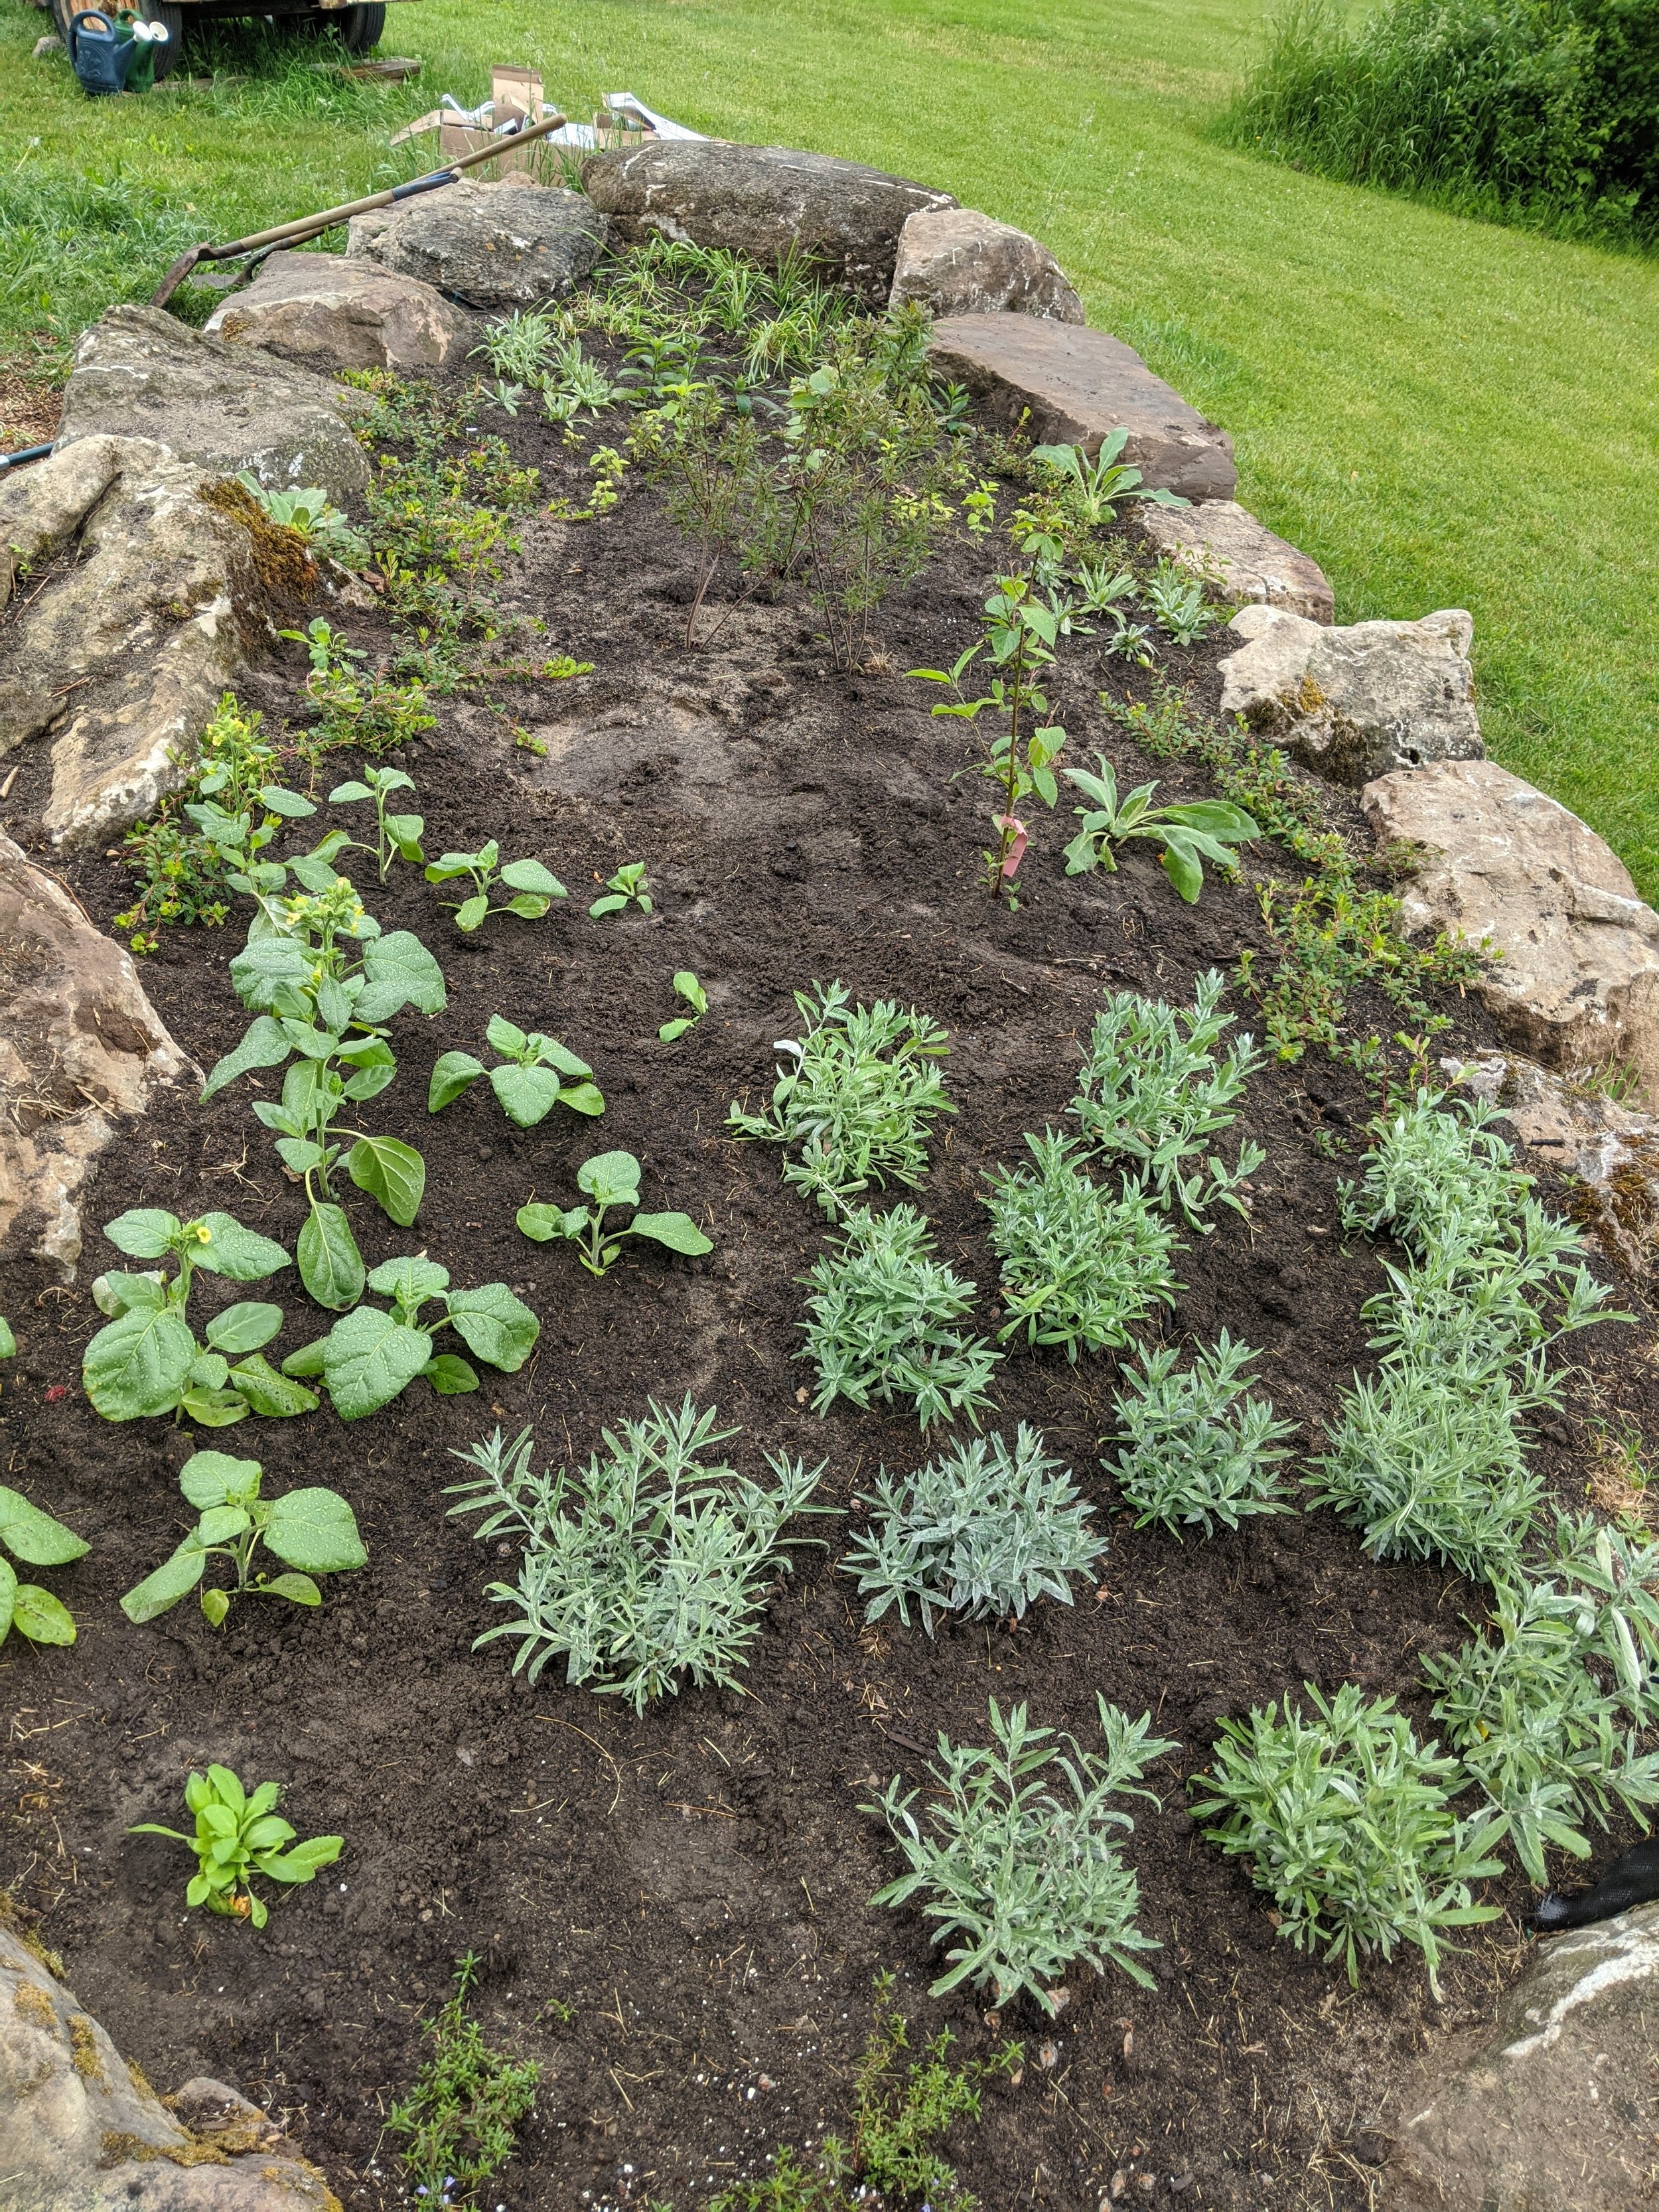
{"x": 326, "y": 646}
{"x": 36, "y": 1538}
{"x": 459, "y": 2118}
{"x": 610, "y": 1179}
{"x": 530, "y": 1086}
{"x": 369, "y": 1357}
{"x": 312, "y": 516}
{"x": 9, "y": 1342}
{"x": 237, "y": 1836}
{"x": 1198, "y": 830}
{"x": 1094, "y": 490}
{"x": 397, "y": 836}
{"x": 686, "y": 987}
{"x": 313, "y": 1532}
{"x": 628, "y": 887}
{"x": 533, "y": 886}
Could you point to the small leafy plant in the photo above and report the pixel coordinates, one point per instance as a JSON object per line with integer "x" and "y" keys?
{"x": 691, "y": 993}
{"x": 656, "y": 1563}
{"x": 858, "y": 1098}
{"x": 370, "y": 1356}
{"x": 38, "y": 1541}
{"x": 881, "y": 1320}
{"x": 629, "y": 886}
{"x": 1346, "y": 1821}
{"x": 984, "y": 1529}
{"x": 1029, "y": 1878}
{"x": 610, "y": 1179}
{"x": 1195, "y": 1455}
{"x": 238, "y": 1835}
{"x": 534, "y": 888}
{"x": 1093, "y": 491}
{"x": 312, "y": 516}
{"x": 537, "y": 1074}
{"x": 1197, "y": 830}
{"x": 312, "y": 1531}
{"x": 1176, "y": 597}
{"x": 458, "y": 2120}
{"x": 147, "y": 1362}
{"x": 397, "y": 836}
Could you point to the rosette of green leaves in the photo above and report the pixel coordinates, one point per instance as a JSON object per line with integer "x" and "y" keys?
{"x": 237, "y": 1836}
{"x": 610, "y": 1179}
{"x": 370, "y": 1355}
{"x": 538, "y": 1074}
{"x": 38, "y": 1541}
{"x": 147, "y": 1362}
{"x": 534, "y": 888}
{"x": 312, "y": 1531}
{"x": 1196, "y": 831}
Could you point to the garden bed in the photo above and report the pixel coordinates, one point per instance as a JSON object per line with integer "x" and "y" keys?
{"x": 670, "y": 1912}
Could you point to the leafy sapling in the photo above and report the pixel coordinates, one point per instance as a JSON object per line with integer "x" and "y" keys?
{"x": 629, "y": 886}
{"x": 1196, "y": 1455}
{"x": 38, "y": 1541}
{"x": 536, "y": 1075}
{"x": 607, "y": 1181}
{"x": 533, "y": 887}
{"x": 370, "y": 1357}
{"x": 147, "y": 1362}
{"x": 238, "y": 1835}
{"x": 688, "y": 988}
{"x": 1082, "y": 1267}
{"x": 397, "y": 836}
{"x": 312, "y": 1531}
{"x": 1197, "y": 830}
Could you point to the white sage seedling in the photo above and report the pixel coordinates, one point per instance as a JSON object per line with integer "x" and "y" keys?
{"x": 313, "y": 516}
{"x": 538, "y": 1074}
{"x": 1091, "y": 491}
{"x": 880, "y": 1322}
{"x": 312, "y": 1531}
{"x": 38, "y": 1541}
{"x": 1199, "y": 1450}
{"x": 369, "y": 1356}
{"x": 397, "y": 836}
{"x": 628, "y": 887}
{"x": 610, "y": 1179}
{"x": 237, "y": 1836}
{"x": 686, "y": 987}
{"x": 1197, "y": 830}
{"x": 1081, "y": 1267}
{"x": 534, "y": 888}
{"x": 1175, "y": 596}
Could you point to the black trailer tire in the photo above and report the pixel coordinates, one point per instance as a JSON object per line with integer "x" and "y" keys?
{"x": 357, "y": 29}
{"x": 163, "y": 11}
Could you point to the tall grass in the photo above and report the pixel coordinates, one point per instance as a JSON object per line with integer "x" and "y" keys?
{"x": 1541, "y": 113}
{"x": 70, "y": 244}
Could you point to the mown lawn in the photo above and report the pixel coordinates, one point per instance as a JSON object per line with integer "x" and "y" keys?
{"x": 1443, "y": 413}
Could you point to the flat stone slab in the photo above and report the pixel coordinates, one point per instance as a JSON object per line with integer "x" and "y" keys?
{"x": 1239, "y": 557}
{"x": 326, "y": 312}
{"x": 1578, "y": 986}
{"x": 499, "y": 245}
{"x": 955, "y": 261}
{"x": 766, "y": 202}
{"x": 140, "y": 373}
{"x": 1076, "y": 386}
{"x": 1356, "y": 703}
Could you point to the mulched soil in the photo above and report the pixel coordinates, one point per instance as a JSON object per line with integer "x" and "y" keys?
{"x": 671, "y": 1911}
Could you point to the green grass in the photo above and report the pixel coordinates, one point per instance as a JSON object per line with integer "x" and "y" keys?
{"x": 1442, "y": 412}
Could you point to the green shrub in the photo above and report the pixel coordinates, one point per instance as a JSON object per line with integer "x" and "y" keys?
{"x": 1192, "y": 1457}
{"x": 459, "y": 2118}
{"x": 1080, "y": 1267}
{"x": 982, "y": 1530}
{"x": 1346, "y": 1821}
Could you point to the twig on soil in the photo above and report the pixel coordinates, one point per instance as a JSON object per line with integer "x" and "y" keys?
{"x": 597, "y": 1746}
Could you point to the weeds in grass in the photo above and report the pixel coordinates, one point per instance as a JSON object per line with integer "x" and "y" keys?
{"x": 459, "y": 2119}
{"x": 1029, "y": 1879}
{"x": 1081, "y": 1267}
{"x": 1196, "y": 1455}
{"x": 656, "y": 1563}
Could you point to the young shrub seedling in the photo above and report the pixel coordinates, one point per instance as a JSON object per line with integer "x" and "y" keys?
{"x": 533, "y": 888}
{"x": 1092, "y": 491}
{"x": 1196, "y": 1453}
{"x": 981, "y": 1531}
{"x": 312, "y": 1531}
{"x": 538, "y": 1074}
{"x": 38, "y": 1541}
{"x": 147, "y": 1362}
{"x": 1080, "y": 1267}
{"x": 458, "y": 2120}
{"x": 608, "y": 1180}
{"x": 1175, "y": 596}
{"x": 1029, "y": 1878}
{"x": 1197, "y": 830}
{"x": 880, "y": 1322}
{"x": 686, "y": 987}
{"x": 1346, "y": 1821}
{"x": 628, "y": 887}
{"x": 656, "y": 1563}
{"x": 238, "y": 1835}
{"x": 397, "y": 836}
{"x": 370, "y": 1357}
{"x": 858, "y": 1099}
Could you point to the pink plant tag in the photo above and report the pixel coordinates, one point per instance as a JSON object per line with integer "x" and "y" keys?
{"x": 1016, "y": 852}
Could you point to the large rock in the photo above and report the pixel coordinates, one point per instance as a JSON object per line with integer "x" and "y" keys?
{"x": 151, "y": 591}
{"x": 1577, "y": 986}
{"x": 1239, "y": 557}
{"x": 1559, "y": 2112}
{"x": 768, "y": 202}
{"x": 502, "y": 245}
{"x": 330, "y": 312}
{"x": 139, "y": 374}
{"x": 1074, "y": 386}
{"x": 1357, "y": 702}
{"x": 82, "y": 2130}
{"x": 954, "y": 261}
{"x": 81, "y": 1047}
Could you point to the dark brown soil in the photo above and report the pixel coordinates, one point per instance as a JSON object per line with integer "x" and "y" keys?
{"x": 672, "y": 1911}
